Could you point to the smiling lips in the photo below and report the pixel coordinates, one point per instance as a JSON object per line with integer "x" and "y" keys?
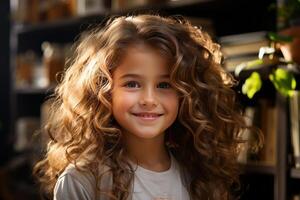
{"x": 147, "y": 116}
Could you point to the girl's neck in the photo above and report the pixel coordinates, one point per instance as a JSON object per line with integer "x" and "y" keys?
{"x": 150, "y": 154}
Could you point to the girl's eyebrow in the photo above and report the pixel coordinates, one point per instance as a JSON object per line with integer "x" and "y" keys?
{"x": 141, "y": 76}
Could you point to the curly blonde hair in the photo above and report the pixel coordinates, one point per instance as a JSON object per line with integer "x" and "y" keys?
{"x": 205, "y": 133}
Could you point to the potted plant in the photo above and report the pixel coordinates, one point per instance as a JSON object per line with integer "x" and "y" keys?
{"x": 288, "y": 40}
{"x": 273, "y": 65}
{"x": 289, "y": 25}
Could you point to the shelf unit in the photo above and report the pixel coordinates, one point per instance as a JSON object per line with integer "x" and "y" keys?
{"x": 256, "y": 168}
{"x": 295, "y": 173}
{"x": 229, "y": 17}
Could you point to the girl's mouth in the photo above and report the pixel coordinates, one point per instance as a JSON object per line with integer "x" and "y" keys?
{"x": 147, "y": 116}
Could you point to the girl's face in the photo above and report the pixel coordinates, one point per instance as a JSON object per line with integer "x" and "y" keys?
{"x": 143, "y": 100}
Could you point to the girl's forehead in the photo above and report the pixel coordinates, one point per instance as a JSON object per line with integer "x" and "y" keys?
{"x": 143, "y": 60}
{"x": 141, "y": 47}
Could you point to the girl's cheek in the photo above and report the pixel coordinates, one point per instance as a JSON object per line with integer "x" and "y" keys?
{"x": 170, "y": 100}
{"x": 126, "y": 97}
{"x": 171, "y": 95}
{"x": 130, "y": 98}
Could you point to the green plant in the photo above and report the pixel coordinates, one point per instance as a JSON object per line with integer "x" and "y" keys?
{"x": 279, "y": 38}
{"x": 282, "y": 79}
{"x": 288, "y": 11}
{"x": 252, "y": 85}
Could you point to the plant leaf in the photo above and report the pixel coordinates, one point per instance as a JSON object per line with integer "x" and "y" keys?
{"x": 279, "y": 38}
{"x": 252, "y": 85}
{"x": 283, "y": 81}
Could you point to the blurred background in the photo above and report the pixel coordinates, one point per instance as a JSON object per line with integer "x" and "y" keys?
{"x": 258, "y": 37}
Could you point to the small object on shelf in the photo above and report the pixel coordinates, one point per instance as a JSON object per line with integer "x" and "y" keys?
{"x": 24, "y": 69}
{"x": 25, "y": 11}
{"x": 53, "y": 60}
{"x": 292, "y": 49}
{"x": 57, "y": 10}
{"x": 242, "y": 48}
{"x": 35, "y": 11}
{"x": 30, "y": 72}
{"x": 88, "y": 7}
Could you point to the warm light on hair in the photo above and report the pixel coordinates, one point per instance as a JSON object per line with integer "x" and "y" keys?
{"x": 208, "y": 125}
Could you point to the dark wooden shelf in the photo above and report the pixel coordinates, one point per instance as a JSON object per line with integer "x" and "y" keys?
{"x": 21, "y": 29}
{"x": 295, "y": 173}
{"x": 178, "y": 3}
{"x": 34, "y": 90}
{"x": 258, "y": 168}
{"x": 79, "y": 20}
{"x": 171, "y": 4}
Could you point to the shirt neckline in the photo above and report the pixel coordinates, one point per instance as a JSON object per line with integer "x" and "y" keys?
{"x": 151, "y": 173}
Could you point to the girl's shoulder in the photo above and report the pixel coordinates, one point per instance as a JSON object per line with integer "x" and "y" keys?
{"x": 74, "y": 184}
{"x": 79, "y": 184}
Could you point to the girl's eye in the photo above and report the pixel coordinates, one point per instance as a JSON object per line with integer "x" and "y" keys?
{"x": 132, "y": 84}
{"x": 164, "y": 85}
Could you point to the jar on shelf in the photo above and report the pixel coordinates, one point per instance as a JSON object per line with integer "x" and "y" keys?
{"x": 53, "y": 61}
{"x": 24, "y": 69}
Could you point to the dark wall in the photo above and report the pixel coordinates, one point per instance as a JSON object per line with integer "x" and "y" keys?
{"x": 246, "y": 16}
{"x": 235, "y": 16}
{"x": 4, "y": 79}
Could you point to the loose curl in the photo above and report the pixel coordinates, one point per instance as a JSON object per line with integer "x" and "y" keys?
{"x": 205, "y": 133}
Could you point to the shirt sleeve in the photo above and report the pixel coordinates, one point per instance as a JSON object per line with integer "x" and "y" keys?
{"x": 68, "y": 187}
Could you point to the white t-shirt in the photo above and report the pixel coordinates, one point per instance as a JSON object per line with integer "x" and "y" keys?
{"x": 148, "y": 185}
{"x": 167, "y": 185}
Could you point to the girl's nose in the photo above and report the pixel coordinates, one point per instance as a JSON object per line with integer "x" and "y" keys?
{"x": 148, "y": 98}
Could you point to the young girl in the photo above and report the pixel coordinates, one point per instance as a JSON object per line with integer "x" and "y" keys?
{"x": 145, "y": 111}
